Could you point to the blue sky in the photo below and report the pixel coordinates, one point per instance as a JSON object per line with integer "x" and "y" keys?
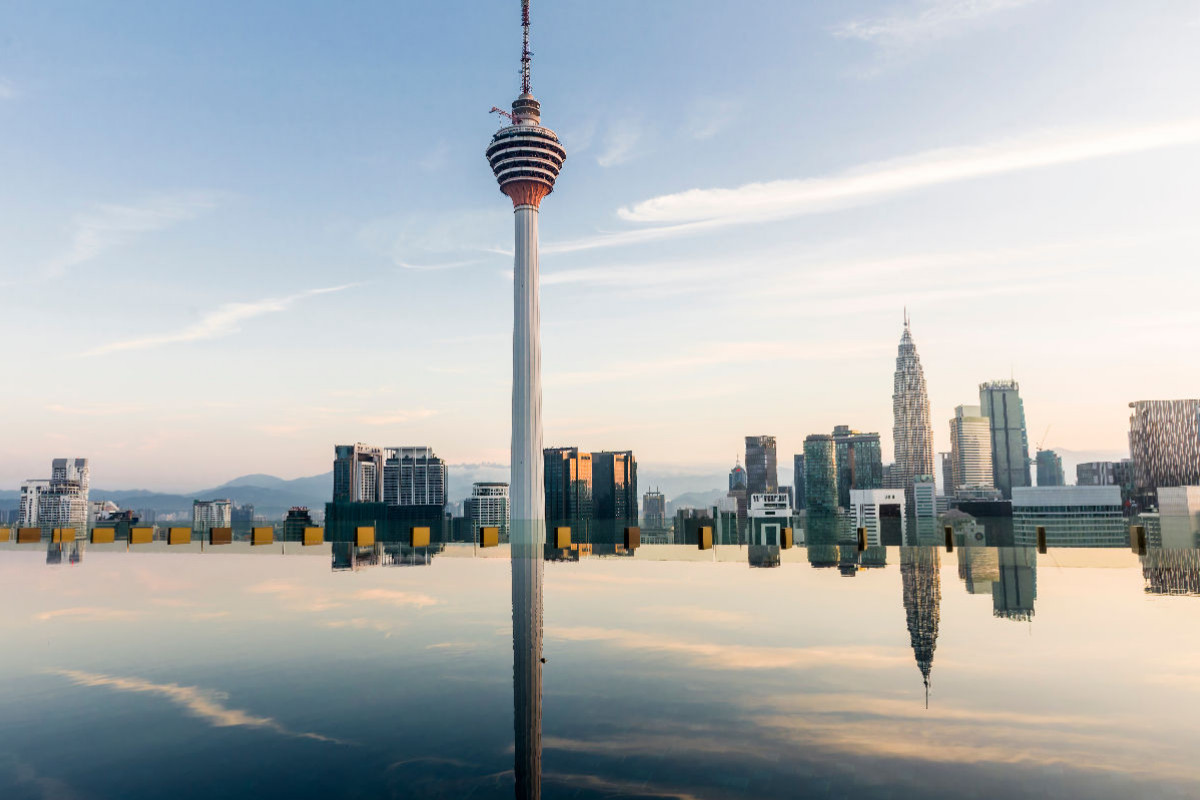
{"x": 233, "y": 234}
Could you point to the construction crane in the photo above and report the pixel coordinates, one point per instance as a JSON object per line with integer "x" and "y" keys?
{"x": 1042, "y": 441}
{"x": 504, "y": 114}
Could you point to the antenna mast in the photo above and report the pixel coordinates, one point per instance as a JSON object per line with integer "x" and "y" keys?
{"x": 525, "y": 54}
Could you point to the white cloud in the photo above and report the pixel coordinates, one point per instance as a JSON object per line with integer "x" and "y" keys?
{"x": 110, "y": 225}
{"x": 619, "y": 143}
{"x": 203, "y": 703}
{"x": 7, "y": 92}
{"x": 221, "y": 322}
{"x": 871, "y": 182}
{"x": 928, "y": 21}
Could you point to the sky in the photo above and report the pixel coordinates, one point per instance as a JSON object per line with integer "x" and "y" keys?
{"x": 235, "y": 234}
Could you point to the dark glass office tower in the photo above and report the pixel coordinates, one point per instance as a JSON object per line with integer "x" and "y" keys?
{"x": 568, "y": 484}
{"x": 614, "y": 486}
{"x": 761, "y": 471}
{"x": 820, "y": 474}
{"x": 859, "y": 462}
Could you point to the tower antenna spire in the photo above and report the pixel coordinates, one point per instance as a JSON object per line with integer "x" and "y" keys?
{"x": 525, "y": 54}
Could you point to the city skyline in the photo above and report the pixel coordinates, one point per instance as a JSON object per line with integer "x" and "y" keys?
{"x": 160, "y": 258}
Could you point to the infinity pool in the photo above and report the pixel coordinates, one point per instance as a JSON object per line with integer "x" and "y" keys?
{"x": 674, "y": 673}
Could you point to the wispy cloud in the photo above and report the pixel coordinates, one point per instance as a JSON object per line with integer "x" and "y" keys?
{"x": 224, "y": 321}
{"x": 927, "y": 21}
{"x": 619, "y": 144}
{"x": 872, "y": 182}
{"x": 87, "y": 614}
{"x": 203, "y": 703}
{"x": 7, "y": 91}
{"x": 466, "y": 262}
{"x": 111, "y": 225}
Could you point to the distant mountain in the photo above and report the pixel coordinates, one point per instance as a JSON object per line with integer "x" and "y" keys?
{"x": 694, "y": 500}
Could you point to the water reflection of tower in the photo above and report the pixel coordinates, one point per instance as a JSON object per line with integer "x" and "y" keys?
{"x": 527, "y": 571}
{"x": 920, "y": 573}
{"x": 1015, "y": 588}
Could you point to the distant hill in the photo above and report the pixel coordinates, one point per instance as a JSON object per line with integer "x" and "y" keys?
{"x": 694, "y": 500}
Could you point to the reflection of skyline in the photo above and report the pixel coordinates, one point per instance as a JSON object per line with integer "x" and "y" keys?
{"x": 1175, "y": 572}
{"x": 528, "y": 566}
{"x": 920, "y": 574}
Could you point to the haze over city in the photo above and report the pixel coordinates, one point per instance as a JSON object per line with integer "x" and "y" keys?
{"x": 238, "y": 237}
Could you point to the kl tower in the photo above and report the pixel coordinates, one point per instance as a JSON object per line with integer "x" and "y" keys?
{"x": 526, "y": 159}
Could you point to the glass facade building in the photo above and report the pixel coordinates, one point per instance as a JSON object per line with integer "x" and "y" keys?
{"x": 1000, "y": 402}
{"x": 820, "y": 474}
{"x": 859, "y": 462}
{"x": 762, "y": 473}
{"x": 912, "y": 433}
{"x": 1050, "y": 469}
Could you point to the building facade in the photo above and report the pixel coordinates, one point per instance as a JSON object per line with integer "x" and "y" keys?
{"x": 970, "y": 450}
{"x": 912, "y": 434}
{"x": 859, "y": 462}
{"x": 614, "y": 486}
{"x": 568, "y": 484}
{"x": 798, "y": 481}
{"x": 357, "y": 473}
{"x": 1000, "y": 402}
{"x": 868, "y": 507}
{"x": 654, "y": 509}
{"x": 413, "y": 476}
{"x": 820, "y": 474}
{"x": 211, "y": 514}
{"x": 1050, "y": 469}
{"x": 1164, "y": 441}
{"x": 487, "y": 507}
{"x": 1073, "y": 516}
{"x": 762, "y": 472}
{"x": 61, "y": 501}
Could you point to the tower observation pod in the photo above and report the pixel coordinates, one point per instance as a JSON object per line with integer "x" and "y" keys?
{"x": 526, "y": 159}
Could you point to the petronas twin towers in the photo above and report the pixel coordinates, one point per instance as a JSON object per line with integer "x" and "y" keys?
{"x": 912, "y": 433}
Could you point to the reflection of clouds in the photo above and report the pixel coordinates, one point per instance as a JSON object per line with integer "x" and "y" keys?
{"x": 297, "y": 596}
{"x": 702, "y": 615}
{"x": 204, "y": 703}
{"x": 612, "y": 786}
{"x": 735, "y": 656}
{"x": 361, "y": 624}
{"x": 87, "y": 614}
{"x": 396, "y": 597}
{"x": 22, "y": 774}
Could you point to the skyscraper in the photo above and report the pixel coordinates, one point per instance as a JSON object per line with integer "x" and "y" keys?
{"x": 947, "y": 473}
{"x": 1164, "y": 441}
{"x": 859, "y": 462}
{"x": 614, "y": 486}
{"x": 357, "y": 473}
{"x": 820, "y": 474}
{"x": 568, "y": 485}
{"x": 526, "y": 159}
{"x": 798, "y": 481}
{"x": 413, "y": 476}
{"x": 211, "y": 514}
{"x": 911, "y": 431}
{"x": 970, "y": 450}
{"x": 1049, "y": 469}
{"x": 654, "y": 509}
{"x": 1000, "y": 402}
{"x": 761, "y": 471}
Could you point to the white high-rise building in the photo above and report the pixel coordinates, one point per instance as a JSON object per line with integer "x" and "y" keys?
{"x": 970, "y": 449}
{"x": 413, "y": 476}
{"x": 31, "y": 492}
{"x": 62, "y": 501}
{"x": 211, "y": 514}
{"x": 487, "y": 507}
